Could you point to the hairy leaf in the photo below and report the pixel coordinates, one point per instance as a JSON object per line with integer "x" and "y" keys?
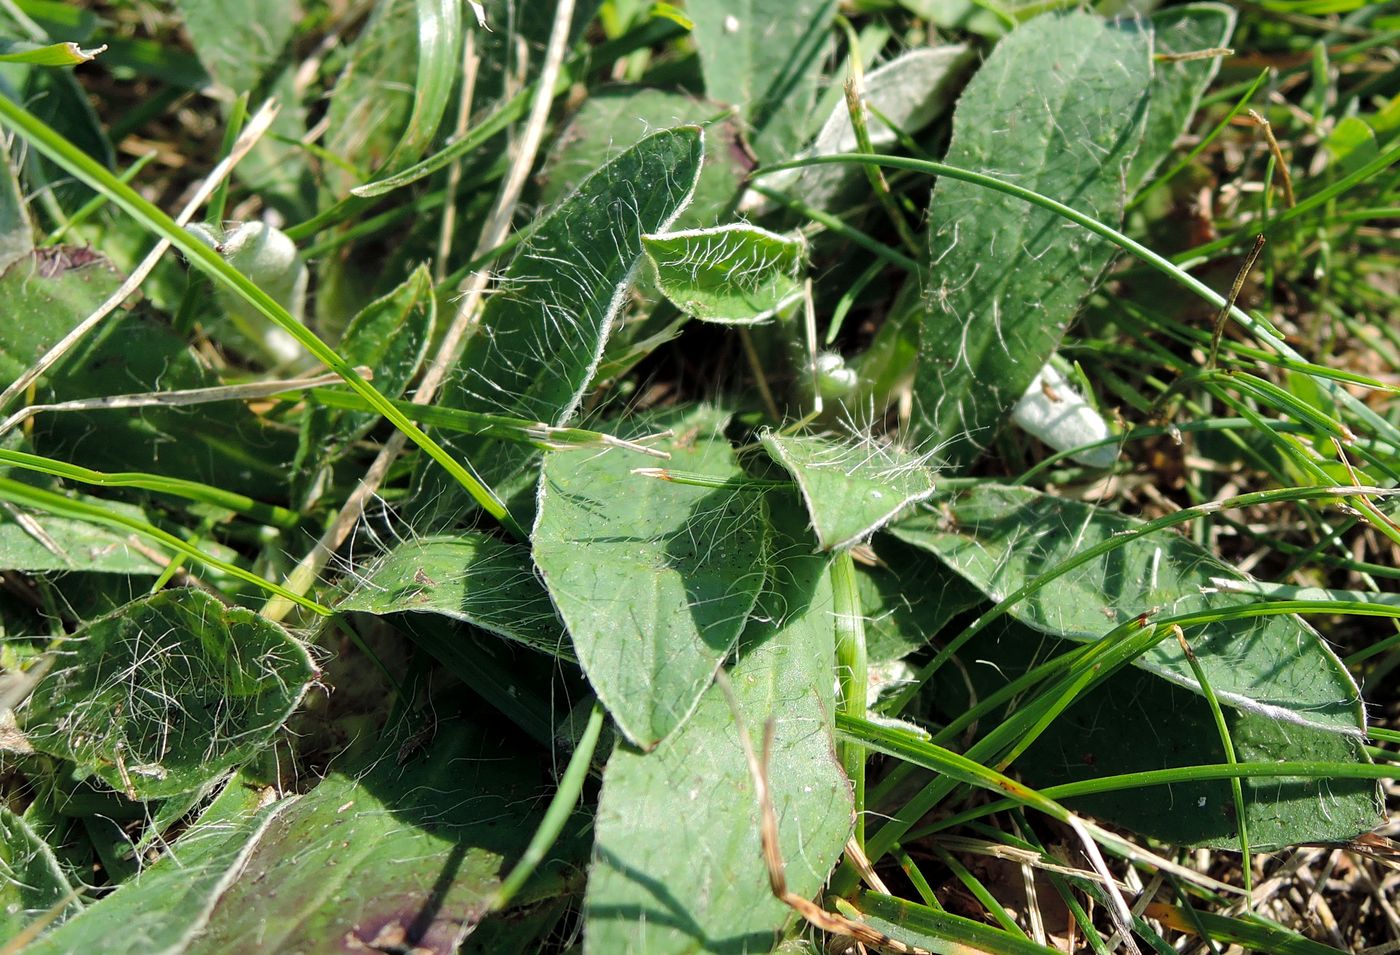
{"x": 409, "y": 855}
{"x": 167, "y": 693}
{"x": 543, "y": 329}
{"x": 31, "y": 880}
{"x": 169, "y": 903}
{"x": 654, "y": 579}
{"x": 733, "y": 274}
{"x": 677, "y": 865}
{"x": 851, "y": 488}
{"x": 1058, "y": 108}
{"x": 471, "y": 577}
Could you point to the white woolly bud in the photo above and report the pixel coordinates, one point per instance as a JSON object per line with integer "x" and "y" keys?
{"x": 269, "y": 259}
{"x": 1053, "y": 411}
{"x": 834, "y": 379}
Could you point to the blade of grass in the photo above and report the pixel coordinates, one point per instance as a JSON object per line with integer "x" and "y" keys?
{"x": 1255, "y": 326}
{"x": 18, "y": 493}
{"x": 82, "y": 166}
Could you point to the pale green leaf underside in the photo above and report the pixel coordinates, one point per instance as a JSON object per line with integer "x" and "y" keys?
{"x": 166, "y": 693}
{"x": 654, "y": 579}
{"x": 732, "y": 274}
{"x": 851, "y": 488}
{"x": 1058, "y": 108}
{"x": 677, "y": 865}
{"x": 471, "y": 577}
{"x": 999, "y": 538}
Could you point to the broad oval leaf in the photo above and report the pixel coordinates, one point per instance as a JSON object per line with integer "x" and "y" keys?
{"x": 654, "y": 579}
{"x": 614, "y": 118}
{"x": 471, "y": 577}
{"x": 1058, "y": 108}
{"x": 731, "y": 274}
{"x": 1000, "y": 538}
{"x": 677, "y": 863}
{"x": 167, "y": 693}
{"x": 853, "y": 487}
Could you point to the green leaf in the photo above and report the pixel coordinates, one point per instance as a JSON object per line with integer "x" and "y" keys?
{"x": 1058, "y": 108}
{"x": 471, "y": 577}
{"x": 910, "y": 91}
{"x": 54, "y": 54}
{"x": 908, "y": 596}
{"x": 233, "y": 448}
{"x": 765, "y": 57}
{"x": 167, "y": 693}
{"x": 612, "y": 120}
{"x": 851, "y": 488}
{"x": 731, "y": 274}
{"x": 677, "y": 865}
{"x": 670, "y": 574}
{"x": 168, "y": 903}
{"x": 46, "y": 293}
{"x": 40, "y": 542}
{"x": 1000, "y": 538}
{"x": 543, "y": 329}
{"x": 413, "y": 852}
{"x": 16, "y": 228}
{"x": 1136, "y": 722}
{"x": 31, "y": 880}
{"x": 389, "y": 336}
{"x": 238, "y": 41}
{"x": 1177, "y": 86}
